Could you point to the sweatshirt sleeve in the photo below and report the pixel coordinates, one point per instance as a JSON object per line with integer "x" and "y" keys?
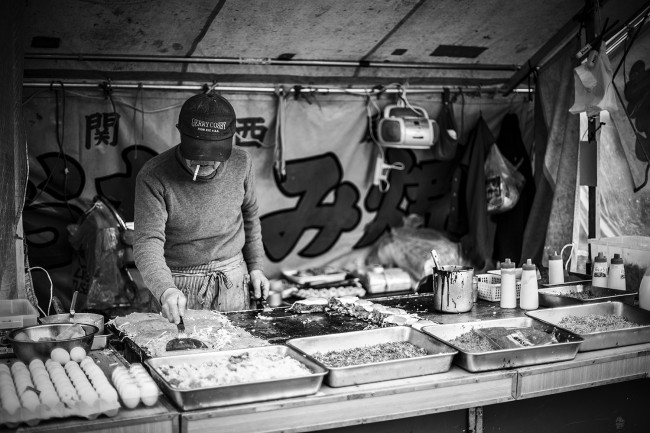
{"x": 149, "y": 221}
{"x": 253, "y": 248}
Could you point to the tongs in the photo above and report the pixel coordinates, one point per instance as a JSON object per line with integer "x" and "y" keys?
{"x": 183, "y": 342}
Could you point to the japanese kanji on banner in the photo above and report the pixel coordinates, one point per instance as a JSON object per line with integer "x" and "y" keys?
{"x": 317, "y": 205}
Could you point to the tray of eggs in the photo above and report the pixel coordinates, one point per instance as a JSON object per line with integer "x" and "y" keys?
{"x": 135, "y": 385}
{"x": 30, "y": 393}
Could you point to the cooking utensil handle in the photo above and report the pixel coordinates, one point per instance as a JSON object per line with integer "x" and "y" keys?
{"x": 73, "y": 303}
{"x": 436, "y": 261}
{"x": 181, "y": 326}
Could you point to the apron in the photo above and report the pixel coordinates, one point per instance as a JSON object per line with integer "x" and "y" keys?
{"x": 217, "y": 285}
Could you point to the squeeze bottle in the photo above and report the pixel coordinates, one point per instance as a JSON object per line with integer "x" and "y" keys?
{"x": 508, "y": 285}
{"x": 644, "y": 291}
{"x": 529, "y": 296}
{"x": 599, "y": 271}
{"x": 616, "y": 277}
{"x": 555, "y": 269}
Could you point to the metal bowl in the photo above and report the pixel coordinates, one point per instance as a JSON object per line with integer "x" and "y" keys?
{"x": 88, "y": 318}
{"x": 30, "y": 349}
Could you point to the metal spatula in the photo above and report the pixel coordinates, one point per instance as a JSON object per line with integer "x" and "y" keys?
{"x": 183, "y": 342}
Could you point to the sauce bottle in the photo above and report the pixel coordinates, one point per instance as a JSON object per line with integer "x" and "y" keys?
{"x": 644, "y": 291}
{"x": 529, "y": 296}
{"x": 508, "y": 285}
{"x": 600, "y": 270}
{"x": 616, "y": 277}
{"x": 555, "y": 269}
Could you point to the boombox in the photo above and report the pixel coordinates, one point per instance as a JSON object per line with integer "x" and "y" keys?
{"x": 406, "y": 127}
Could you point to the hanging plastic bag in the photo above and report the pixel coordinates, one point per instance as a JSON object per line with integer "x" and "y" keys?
{"x": 594, "y": 91}
{"x": 503, "y": 182}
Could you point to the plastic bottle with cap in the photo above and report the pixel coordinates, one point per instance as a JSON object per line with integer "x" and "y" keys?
{"x": 508, "y": 285}
{"x": 600, "y": 270}
{"x": 616, "y": 277}
{"x": 555, "y": 269}
{"x": 644, "y": 291}
{"x": 529, "y": 295}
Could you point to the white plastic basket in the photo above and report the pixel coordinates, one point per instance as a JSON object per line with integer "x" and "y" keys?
{"x": 489, "y": 287}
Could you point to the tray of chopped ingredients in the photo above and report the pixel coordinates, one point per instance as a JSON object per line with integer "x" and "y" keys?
{"x": 576, "y": 294}
{"x": 325, "y": 274}
{"x": 601, "y": 325}
{"x": 506, "y": 343}
{"x": 375, "y": 355}
{"x": 220, "y": 378}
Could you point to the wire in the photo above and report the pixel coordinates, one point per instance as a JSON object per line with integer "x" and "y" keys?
{"x": 59, "y": 142}
{"x": 49, "y": 305}
{"x": 566, "y": 265}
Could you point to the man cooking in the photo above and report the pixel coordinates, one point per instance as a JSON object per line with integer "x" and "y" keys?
{"x": 198, "y": 239}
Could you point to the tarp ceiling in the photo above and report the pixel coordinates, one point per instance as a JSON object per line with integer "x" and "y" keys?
{"x": 360, "y": 42}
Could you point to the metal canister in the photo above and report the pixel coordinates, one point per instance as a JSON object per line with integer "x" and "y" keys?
{"x": 452, "y": 289}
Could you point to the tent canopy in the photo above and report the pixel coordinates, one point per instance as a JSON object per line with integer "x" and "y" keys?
{"x": 327, "y": 42}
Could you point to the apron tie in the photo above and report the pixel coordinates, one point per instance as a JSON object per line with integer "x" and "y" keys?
{"x": 207, "y": 292}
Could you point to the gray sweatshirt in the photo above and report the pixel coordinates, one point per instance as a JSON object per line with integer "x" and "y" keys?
{"x": 179, "y": 222}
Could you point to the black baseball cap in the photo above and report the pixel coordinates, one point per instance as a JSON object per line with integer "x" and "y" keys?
{"x": 207, "y": 123}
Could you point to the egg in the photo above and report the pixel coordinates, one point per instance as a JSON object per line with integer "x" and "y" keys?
{"x": 60, "y": 355}
{"x": 77, "y": 354}
{"x": 50, "y": 398}
{"x": 29, "y": 400}
{"x": 10, "y": 405}
{"x": 149, "y": 394}
{"x": 108, "y": 395}
{"x": 130, "y": 395}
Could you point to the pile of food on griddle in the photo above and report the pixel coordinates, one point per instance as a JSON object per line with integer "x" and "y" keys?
{"x": 152, "y": 332}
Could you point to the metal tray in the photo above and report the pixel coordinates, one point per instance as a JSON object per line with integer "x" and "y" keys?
{"x": 240, "y": 393}
{"x": 565, "y": 350}
{"x": 437, "y": 361}
{"x": 559, "y": 296}
{"x": 604, "y": 339}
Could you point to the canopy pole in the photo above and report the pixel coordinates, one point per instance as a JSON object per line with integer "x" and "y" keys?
{"x": 270, "y": 62}
{"x": 592, "y": 217}
{"x": 251, "y": 89}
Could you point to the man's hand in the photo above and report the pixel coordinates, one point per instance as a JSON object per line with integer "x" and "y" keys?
{"x": 173, "y": 304}
{"x": 260, "y": 284}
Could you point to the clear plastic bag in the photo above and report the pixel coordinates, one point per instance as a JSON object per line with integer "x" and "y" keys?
{"x": 503, "y": 182}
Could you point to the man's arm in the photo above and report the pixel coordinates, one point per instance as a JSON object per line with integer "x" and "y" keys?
{"x": 253, "y": 248}
{"x": 149, "y": 224}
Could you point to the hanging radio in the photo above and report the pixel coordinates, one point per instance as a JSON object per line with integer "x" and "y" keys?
{"x": 406, "y": 127}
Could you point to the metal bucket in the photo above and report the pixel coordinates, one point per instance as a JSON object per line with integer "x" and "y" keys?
{"x": 452, "y": 289}
{"x": 85, "y": 318}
